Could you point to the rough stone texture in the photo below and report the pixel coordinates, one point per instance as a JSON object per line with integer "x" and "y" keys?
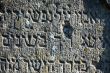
{"x": 54, "y": 36}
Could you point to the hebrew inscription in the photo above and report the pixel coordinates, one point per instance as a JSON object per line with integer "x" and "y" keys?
{"x": 54, "y": 36}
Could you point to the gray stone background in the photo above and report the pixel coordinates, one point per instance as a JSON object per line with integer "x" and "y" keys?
{"x": 54, "y": 36}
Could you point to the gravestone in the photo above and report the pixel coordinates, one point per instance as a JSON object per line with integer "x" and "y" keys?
{"x": 54, "y": 36}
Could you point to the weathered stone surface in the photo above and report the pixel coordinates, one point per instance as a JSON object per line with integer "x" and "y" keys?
{"x": 54, "y": 36}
